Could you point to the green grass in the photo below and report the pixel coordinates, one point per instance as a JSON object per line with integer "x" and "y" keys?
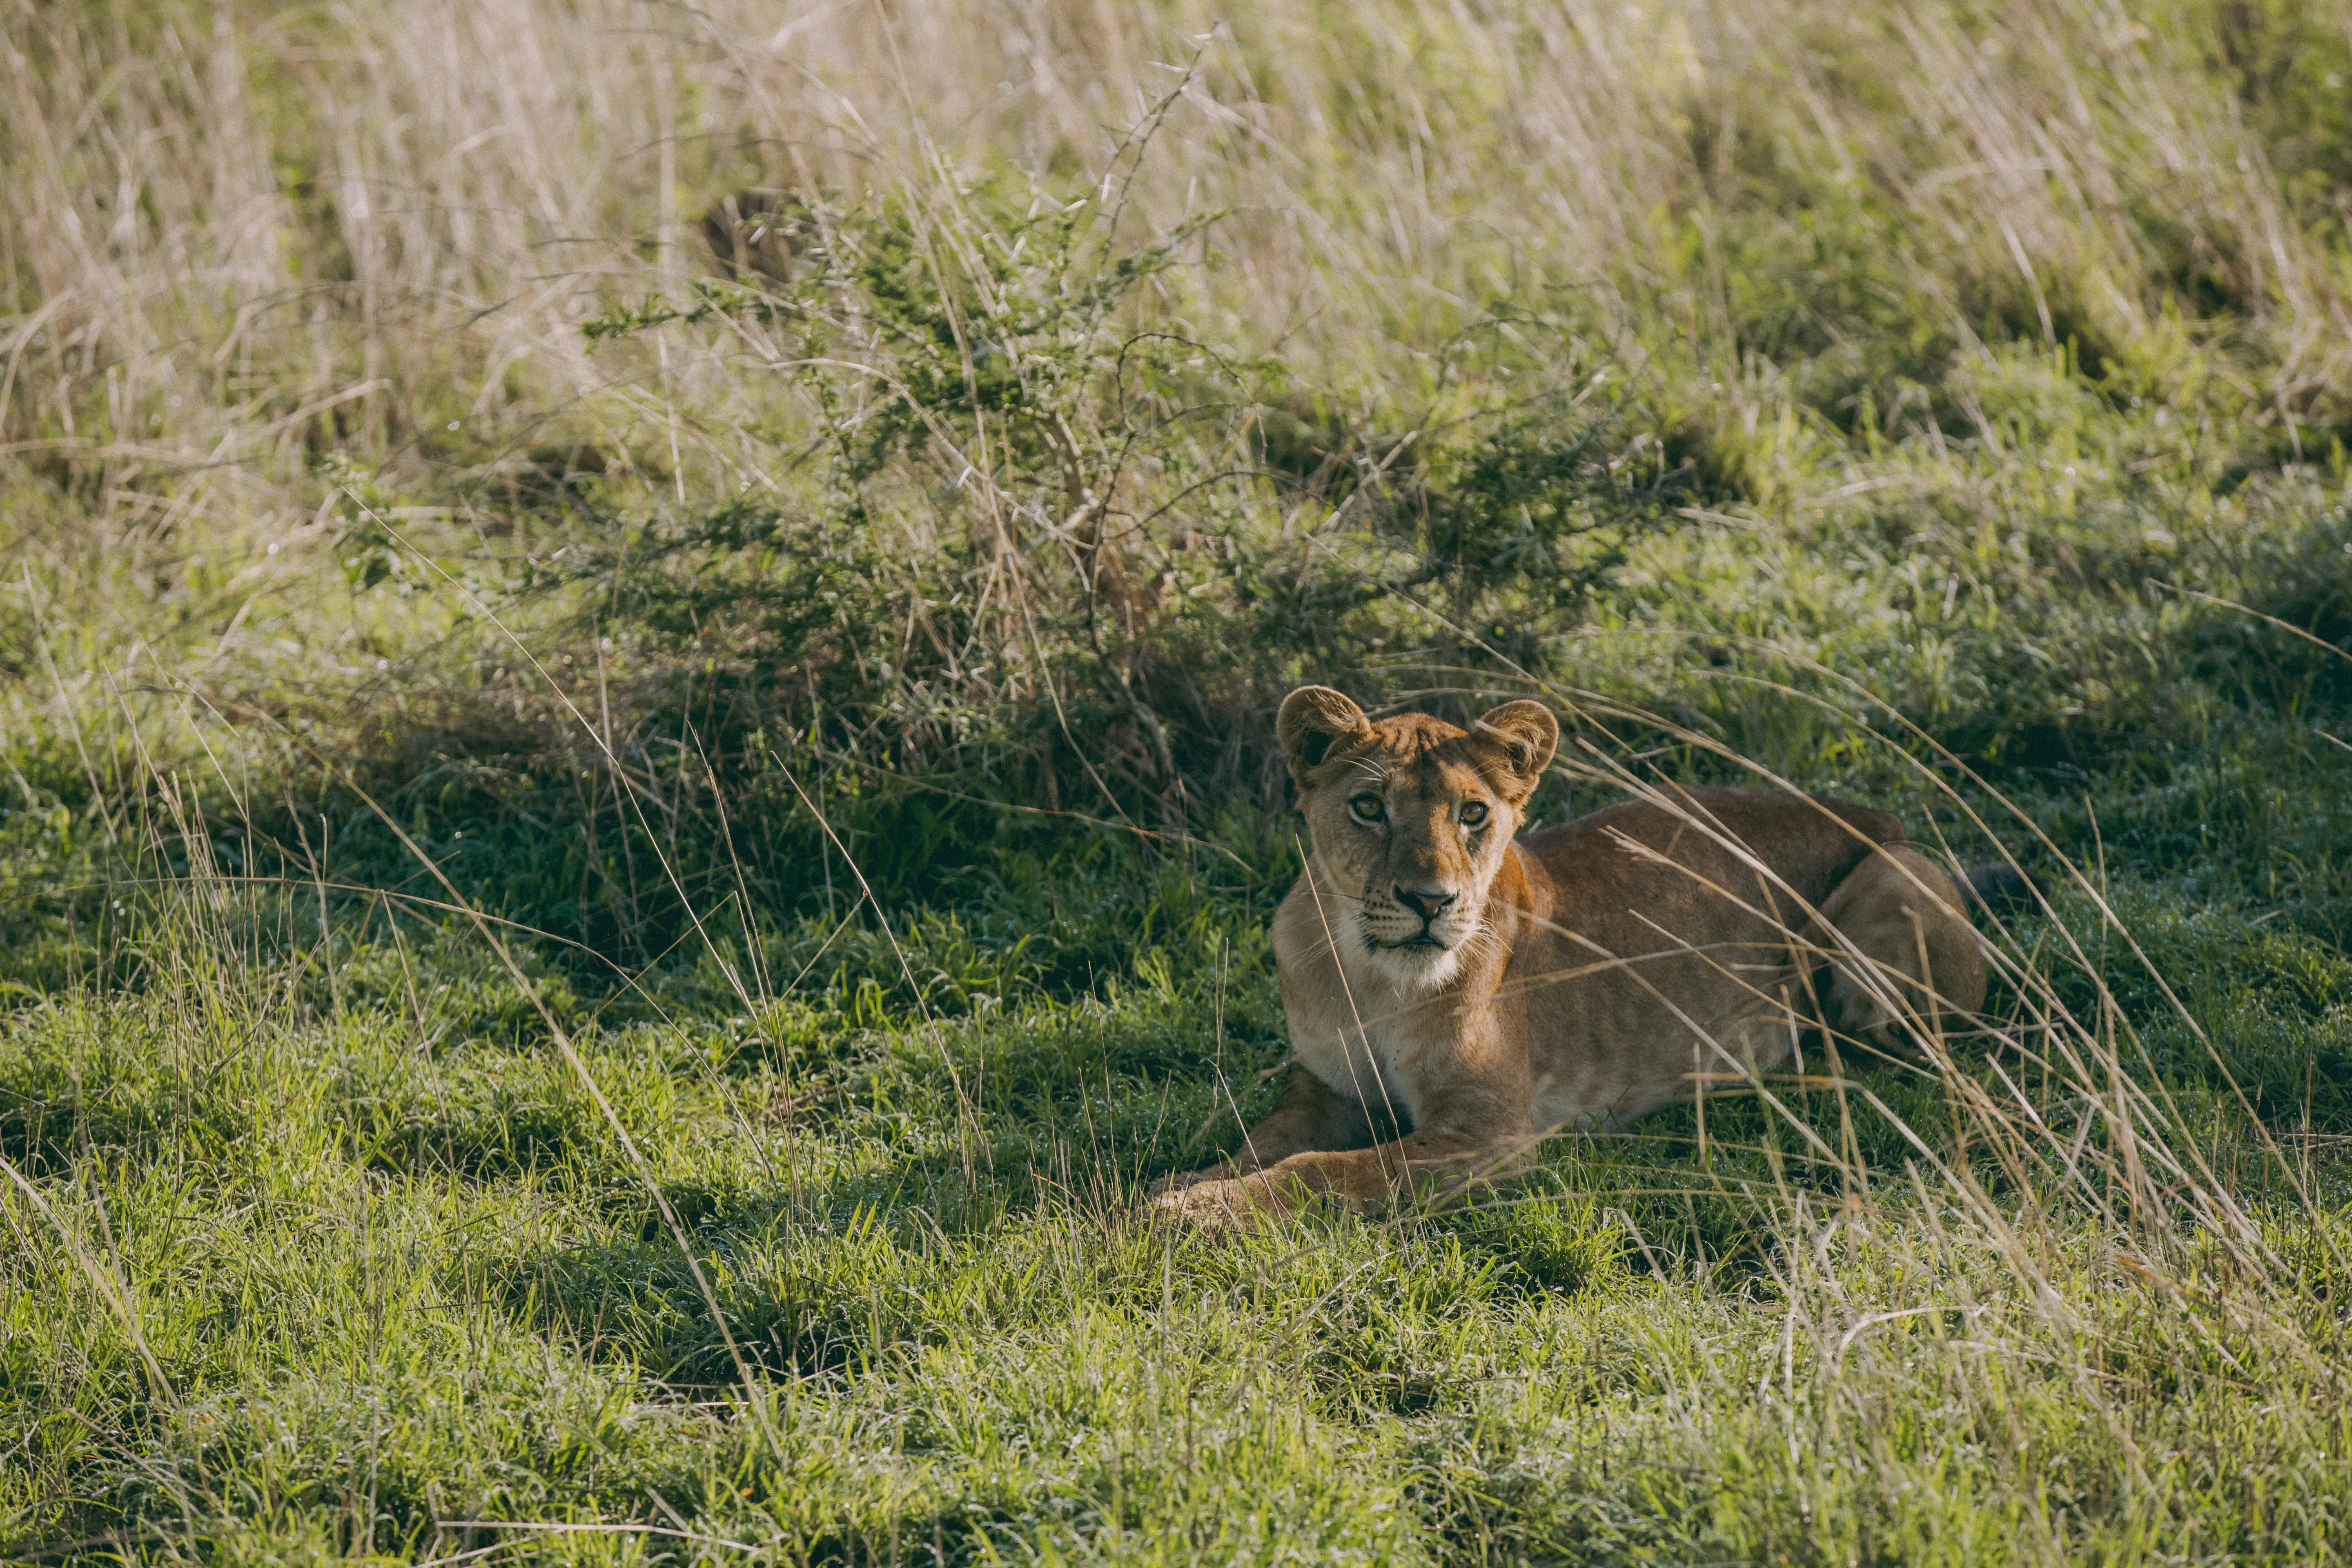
{"x": 394, "y": 1272}
{"x": 611, "y": 893}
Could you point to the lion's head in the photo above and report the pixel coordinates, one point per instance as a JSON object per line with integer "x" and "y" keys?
{"x": 1412, "y": 818}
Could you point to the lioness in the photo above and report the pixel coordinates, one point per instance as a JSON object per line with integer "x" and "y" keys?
{"x": 1481, "y": 990}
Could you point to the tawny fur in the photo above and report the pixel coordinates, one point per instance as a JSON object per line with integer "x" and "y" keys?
{"x": 1579, "y": 977}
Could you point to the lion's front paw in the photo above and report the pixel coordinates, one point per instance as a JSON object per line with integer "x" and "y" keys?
{"x": 1218, "y": 1204}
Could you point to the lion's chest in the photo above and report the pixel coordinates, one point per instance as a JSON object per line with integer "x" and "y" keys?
{"x": 1392, "y": 1083}
{"x": 1358, "y": 1056}
{"x": 1352, "y": 1031}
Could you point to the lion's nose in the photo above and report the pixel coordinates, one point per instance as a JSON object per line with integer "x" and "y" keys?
{"x": 1427, "y": 903}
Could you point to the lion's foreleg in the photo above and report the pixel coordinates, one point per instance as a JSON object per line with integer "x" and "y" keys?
{"x": 1311, "y": 1115}
{"x": 1433, "y": 1166}
{"x": 1414, "y": 1167}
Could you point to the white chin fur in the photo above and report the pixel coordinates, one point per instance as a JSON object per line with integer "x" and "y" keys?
{"x": 1414, "y": 968}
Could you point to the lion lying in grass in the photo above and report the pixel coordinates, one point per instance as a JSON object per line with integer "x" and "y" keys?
{"x": 1482, "y": 990}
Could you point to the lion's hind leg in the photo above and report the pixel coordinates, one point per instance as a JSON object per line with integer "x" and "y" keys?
{"x": 1905, "y": 966}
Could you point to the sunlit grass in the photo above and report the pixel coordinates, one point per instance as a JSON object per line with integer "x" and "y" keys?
{"x": 600, "y": 934}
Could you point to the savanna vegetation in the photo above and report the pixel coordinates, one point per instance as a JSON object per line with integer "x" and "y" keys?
{"x": 636, "y": 795}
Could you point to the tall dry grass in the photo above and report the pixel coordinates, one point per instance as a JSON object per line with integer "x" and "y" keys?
{"x": 237, "y": 233}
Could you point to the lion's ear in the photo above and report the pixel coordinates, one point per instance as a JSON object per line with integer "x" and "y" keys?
{"x": 1314, "y": 720}
{"x": 1526, "y": 734}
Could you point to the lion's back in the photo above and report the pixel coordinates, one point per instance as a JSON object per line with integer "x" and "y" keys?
{"x": 1700, "y": 895}
{"x": 1714, "y": 838}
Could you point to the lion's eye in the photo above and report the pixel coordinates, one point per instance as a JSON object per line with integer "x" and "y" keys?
{"x": 1474, "y": 814}
{"x": 1367, "y": 807}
